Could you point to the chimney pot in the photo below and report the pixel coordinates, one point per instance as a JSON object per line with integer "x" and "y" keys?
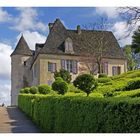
{"x": 78, "y": 29}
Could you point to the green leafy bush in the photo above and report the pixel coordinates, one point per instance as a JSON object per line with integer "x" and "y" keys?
{"x": 64, "y": 74}
{"x": 74, "y": 89}
{"x": 75, "y": 114}
{"x": 131, "y": 93}
{"x": 44, "y": 89}
{"x": 21, "y": 90}
{"x": 33, "y": 90}
{"x": 26, "y": 90}
{"x": 86, "y": 83}
{"x": 25, "y": 103}
{"x": 60, "y": 86}
{"x": 103, "y": 80}
{"x": 102, "y": 75}
{"x": 131, "y": 85}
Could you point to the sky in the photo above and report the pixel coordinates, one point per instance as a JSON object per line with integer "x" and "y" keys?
{"x": 33, "y": 24}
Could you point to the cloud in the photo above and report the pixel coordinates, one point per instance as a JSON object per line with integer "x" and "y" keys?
{"x": 110, "y": 12}
{"x": 32, "y": 38}
{"x": 4, "y": 16}
{"x": 5, "y": 94}
{"x": 121, "y": 29}
{"x": 5, "y": 73}
{"x": 28, "y": 19}
{"x": 5, "y": 69}
{"x": 5, "y": 51}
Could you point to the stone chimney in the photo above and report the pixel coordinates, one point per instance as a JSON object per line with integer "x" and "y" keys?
{"x": 79, "y": 29}
{"x": 50, "y": 26}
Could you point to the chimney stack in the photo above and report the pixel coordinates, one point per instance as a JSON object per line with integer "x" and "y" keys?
{"x": 78, "y": 29}
{"x": 50, "y": 26}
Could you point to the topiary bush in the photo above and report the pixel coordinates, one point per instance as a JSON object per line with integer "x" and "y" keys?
{"x": 21, "y": 90}
{"x": 44, "y": 89}
{"x": 131, "y": 85}
{"x": 26, "y": 90}
{"x": 64, "y": 74}
{"x": 33, "y": 90}
{"x": 60, "y": 86}
{"x": 102, "y": 75}
{"x": 86, "y": 83}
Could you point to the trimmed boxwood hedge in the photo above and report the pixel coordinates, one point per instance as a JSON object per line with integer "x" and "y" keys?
{"x": 67, "y": 114}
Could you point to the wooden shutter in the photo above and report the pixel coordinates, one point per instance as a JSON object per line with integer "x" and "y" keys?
{"x": 53, "y": 67}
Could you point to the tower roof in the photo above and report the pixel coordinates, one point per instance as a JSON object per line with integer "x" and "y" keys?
{"x": 22, "y": 48}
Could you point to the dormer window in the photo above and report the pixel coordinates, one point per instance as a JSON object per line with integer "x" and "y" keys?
{"x": 69, "y": 46}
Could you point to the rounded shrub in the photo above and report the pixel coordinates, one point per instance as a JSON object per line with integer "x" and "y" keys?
{"x": 64, "y": 74}
{"x": 44, "y": 89}
{"x": 58, "y": 79}
{"x": 102, "y": 75}
{"x": 86, "y": 83}
{"x": 21, "y": 90}
{"x": 33, "y": 90}
{"x": 27, "y": 90}
{"x": 60, "y": 86}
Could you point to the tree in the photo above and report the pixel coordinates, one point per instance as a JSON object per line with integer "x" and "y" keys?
{"x": 130, "y": 55}
{"x": 136, "y": 41}
{"x": 132, "y": 17}
{"x": 64, "y": 74}
{"x": 86, "y": 83}
{"x": 101, "y": 25}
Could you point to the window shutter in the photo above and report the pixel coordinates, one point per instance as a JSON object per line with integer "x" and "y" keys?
{"x": 53, "y": 67}
{"x": 63, "y": 64}
{"x": 74, "y": 67}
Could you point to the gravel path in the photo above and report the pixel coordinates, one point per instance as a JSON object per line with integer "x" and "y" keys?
{"x": 12, "y": 120}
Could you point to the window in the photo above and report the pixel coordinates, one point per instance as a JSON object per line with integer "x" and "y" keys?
{"x": 51, "y": 67}
{"x": 105, "y": 68}
{"x": 68, "y": 46}
{"x": 69, "y": 65}
{"x": 116, "y": 70}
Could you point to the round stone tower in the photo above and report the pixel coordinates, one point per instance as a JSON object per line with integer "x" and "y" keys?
{"x": 18, "y": 61}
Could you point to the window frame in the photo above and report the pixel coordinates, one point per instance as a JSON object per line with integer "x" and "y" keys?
{"x": 51, "y": 67}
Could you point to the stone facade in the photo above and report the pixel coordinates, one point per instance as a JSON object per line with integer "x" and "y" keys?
{"x": 30, "y": 68}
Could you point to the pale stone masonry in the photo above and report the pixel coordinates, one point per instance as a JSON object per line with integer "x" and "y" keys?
{"x": 73, "y": 50}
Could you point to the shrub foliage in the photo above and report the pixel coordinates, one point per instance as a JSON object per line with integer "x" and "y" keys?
{"x": 86, "y": 83}
{"x": 64, "y": 74}
{"x": 33, "y": 90}
{"x": 80, "y": 114}
{"x": 102, "y": 75}
{"x": 60, "y": 86}
{"x": 134, "y": 84}
{"x": 44, "y": 89}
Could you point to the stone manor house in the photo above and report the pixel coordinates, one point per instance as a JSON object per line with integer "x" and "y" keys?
{"x": 77, "y": 51}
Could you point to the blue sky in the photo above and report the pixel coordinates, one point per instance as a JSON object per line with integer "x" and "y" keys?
{"x": 33, "y": 23}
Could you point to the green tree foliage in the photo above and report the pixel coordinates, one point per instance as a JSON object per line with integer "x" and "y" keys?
{"x": 136, "y": 41}
{"x": 64, "y": 74}
{"x": 60, "y": 86}
{"x": 129, "y": 54}
{"x": 86, "y": 83}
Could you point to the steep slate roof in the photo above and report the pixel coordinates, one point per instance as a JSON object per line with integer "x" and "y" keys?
{"x": 22, "y": 48}
{"x": 84, "y": 43}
